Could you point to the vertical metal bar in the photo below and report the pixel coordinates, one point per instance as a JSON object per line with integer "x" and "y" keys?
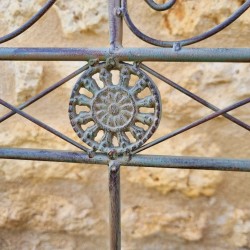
{"x": 115, "y": 30}
{"x": 115, "y": 24}
{"x": 115, "y": 213}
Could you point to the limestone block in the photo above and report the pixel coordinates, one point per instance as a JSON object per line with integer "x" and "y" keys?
{"x": 191, "y": 17}
{"x": 47, "y": 242}
{"x": 79, "y": 16}
{"x": 233, "y": 222}
{"x": 141, "y": 222}
{"x": 220, "y": 84}
{"x": 16, "y": 171}
{"x": 18, "y": 12}
{"x": 28, "y": 77}
{"x": 23, "y": 209}
{"x": 192, "y": 183}
{"x": 75, "y": 16}
{"x": 241, "y": 228}
{"x": 188, "y": 182}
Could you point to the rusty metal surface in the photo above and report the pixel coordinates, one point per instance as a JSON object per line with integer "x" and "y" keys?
{"x": 139, "y": 160}
{"x": 115, "y": 24}
{"x": 115, "y": 205}
{"x": 127, "y": 54}
{"x": 116, "y": 109}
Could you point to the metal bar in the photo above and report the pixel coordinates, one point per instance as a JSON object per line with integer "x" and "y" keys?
{"x": 155, "y": 161}
{"x": 114, "y": 211}
{"x": 193, "y": 124}
{"x": 115, "y": 24}
{"x": 29, "y": 23}
{"x": 44, "y": 92}
{"x": 194, "y": 97}
{"x": 127, "y": 54}
{"x": 44, "y": 126}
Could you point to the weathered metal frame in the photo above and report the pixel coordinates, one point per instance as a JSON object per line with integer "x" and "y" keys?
{"x": 171, "y": 51}
{"x": 127, "y": 54}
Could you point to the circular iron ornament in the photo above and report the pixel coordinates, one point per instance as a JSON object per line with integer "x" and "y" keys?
{"x": 117, "y": 118}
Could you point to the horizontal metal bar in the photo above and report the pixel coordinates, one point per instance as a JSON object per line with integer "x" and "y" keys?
{"x": 158, "y": 161}
{"x": 127, "y": 54}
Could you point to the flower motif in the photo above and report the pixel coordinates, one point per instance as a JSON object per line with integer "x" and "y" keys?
{"x": 115, "y": 109}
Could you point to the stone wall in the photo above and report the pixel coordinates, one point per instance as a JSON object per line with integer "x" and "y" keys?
{"x": 55, "y": 206}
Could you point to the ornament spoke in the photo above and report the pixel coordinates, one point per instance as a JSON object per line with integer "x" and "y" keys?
{"x": 106, "y": 140}
{"x": 106, "y": 77}
{"x": 124, "y": 77}
{"x": 91, "y": 132}
{"x": 140, "y": 85}
{"x": 145, "y": 118}
{"x": 137, "y": 132}
{"x": 83, "y": 117}
{"x": 147, "y": 102}
{"x": 123, "y": 139}
{"x": 81, "y": 100}
{"x": 90, "y": 84}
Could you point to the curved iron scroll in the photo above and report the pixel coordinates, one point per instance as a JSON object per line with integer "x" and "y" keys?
{"x": 160, "y": 7}
{"x": 185, "y": 42}
{"x": 29, "y": 23}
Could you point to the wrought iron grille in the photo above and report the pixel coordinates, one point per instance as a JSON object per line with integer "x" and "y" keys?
{"x": 116, "y": 109}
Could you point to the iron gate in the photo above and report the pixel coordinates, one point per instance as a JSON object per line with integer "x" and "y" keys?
{"x": 117, "y": 109}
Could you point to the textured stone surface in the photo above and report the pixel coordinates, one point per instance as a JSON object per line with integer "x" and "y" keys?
{"x": 18, "y": 12}
{"x": 43, "y": 212}
{"x": 189, "y": 182}
{"x": 79, "y": 16}
{"x": 56, "y": 206}
{"x": 142, "y": 221}
{"x": 28, "y": 78}
{"x": 181, "y": 21}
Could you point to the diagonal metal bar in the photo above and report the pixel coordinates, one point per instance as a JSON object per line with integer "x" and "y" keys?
{"x": 43, "y": 125}
{"x": 44, "y": 92}
{"x": 194, "y": 96}
{"x": 193, "y": 124}
{"x": 29, "y": 23}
